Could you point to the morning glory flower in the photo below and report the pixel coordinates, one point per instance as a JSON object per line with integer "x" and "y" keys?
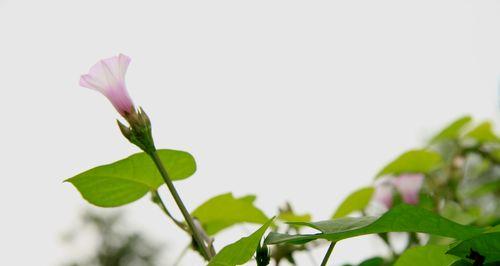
{"x": 383, "y": 193}
{"x": 409, "y": 185}
{"x": 108, "y": 77}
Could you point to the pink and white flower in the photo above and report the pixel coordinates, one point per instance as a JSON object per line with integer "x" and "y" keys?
{"x": 408, "y": 186}
{"x": 108, "y": 77}
{"x": 383, "y": 194}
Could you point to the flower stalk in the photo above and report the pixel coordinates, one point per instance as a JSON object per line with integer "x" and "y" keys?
{"x": 139, "y": 133}
{"x": 189, "y": 220}
{"x": 108, "y": 77}
{"x": 155, "y": 197}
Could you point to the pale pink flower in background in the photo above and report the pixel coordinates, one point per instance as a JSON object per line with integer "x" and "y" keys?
{"x": 409, "y": 185}
{"x": 383, "y": 193}
{"x": 108, "y": 77}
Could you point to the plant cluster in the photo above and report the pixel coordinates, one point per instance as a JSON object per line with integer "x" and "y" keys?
{"x": 444, "y": 196}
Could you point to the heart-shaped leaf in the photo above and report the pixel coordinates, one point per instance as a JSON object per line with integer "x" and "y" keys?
{"x": 453, "y": 130}
{"x": 414, "y": 161}
{"x": 223, "y": 211}
{"x": 357, "y": 201}
{"x": 483, "y": 133}
{"x": 130, "y": 179}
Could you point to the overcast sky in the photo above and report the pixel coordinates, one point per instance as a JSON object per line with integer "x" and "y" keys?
{"x": 289, "y": 100}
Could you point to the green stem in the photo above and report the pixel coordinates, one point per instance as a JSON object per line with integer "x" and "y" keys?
{"x": 311, "y": 257}
{"x": 162, "y": 206}
{"x": 328, "y": 253}
{"x": 183, "y": 253}
{"x": 189, "y": 220}
{"x": 412, "y": 240}
{"x": 385, "y": 239}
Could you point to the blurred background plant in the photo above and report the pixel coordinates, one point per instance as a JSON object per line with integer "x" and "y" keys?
{"x": 456, "y": 175}
{"x": 115, "y": 246}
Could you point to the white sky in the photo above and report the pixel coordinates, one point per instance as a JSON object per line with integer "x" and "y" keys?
{"x": 290, "y": 100}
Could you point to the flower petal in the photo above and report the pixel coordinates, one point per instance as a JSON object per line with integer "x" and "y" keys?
{"x": 108, "y": 77}
{"x": 88, "y": 82}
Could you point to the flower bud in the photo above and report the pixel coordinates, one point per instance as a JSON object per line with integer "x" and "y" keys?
{"x": 124, "y": 129}
{"x": 262, "y": 255}
{"x": 139, "y": 131}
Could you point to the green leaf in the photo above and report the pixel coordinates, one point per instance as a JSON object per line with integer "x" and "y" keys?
{"x": 483, "y": 133}
{"x": 453, "y": 211}
{"x": 377, "y": 261}
{"x": 414, "y": 161}
{"x": 240, "y": 251}
{"x": 495, "y": 154}
{"x": 402, "y": 218}
{"x": 485, "y": 189}
{"x": 293, "y": 217}
{"x": 223, "y": 211}
{"x": 130, "y": 179}
{"x": 357, "y": 201}
{"x": 430, "y": 255}
{"x": 487, "y": 245}
{"x": 464, "y": 263}
{"x": 494, "y": 229}
{"x": 453, "y": 130}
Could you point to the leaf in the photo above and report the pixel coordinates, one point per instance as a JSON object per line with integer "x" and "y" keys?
{"x": 223, "y": 211}
{"x": 464, "y": 263}
{"x": 377, "y": 261}
{"x": 430, "y": 255}
{"x": 357, "y": 201}
{"x": 494, "y": 229}
{"x": 402, "y": 218}
{"x": 487, "y": 245}
{"x": 453, "y": 130}
{"x": 483, "y": 133}
{"x": 130, "y": 179}
{"x": 414, "y": 161}
{"x": 240, "y": 251}
{"x": 485, "y": 189}
{"x": 292, "y": 217}
{"x": 453, "y": 211}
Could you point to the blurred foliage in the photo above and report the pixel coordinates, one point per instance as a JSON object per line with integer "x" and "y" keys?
{"x": 116, "y": 246}
{"x": 458, "y": 203}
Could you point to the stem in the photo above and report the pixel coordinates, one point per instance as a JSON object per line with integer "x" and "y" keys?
{"x": 311, "y": 257}
{"x": 189, "y": 220}
{"x": 481, "y": 152}
{"x": 412, "y": 240}
{"x": 183, "y": 253}
{"x": 385, "y": 239}
{"x": 328, "y": 253}
{"x": 162, "y": 206}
